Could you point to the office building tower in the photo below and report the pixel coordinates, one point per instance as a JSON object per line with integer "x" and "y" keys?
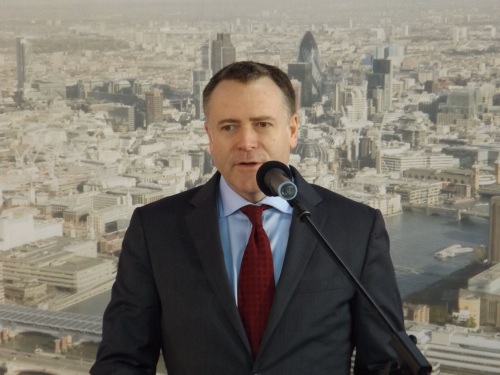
{"x": 379, "y": 52}
{"x": 297, "y": 87}
{"x": 2, "y": 288}
{"x": 309, "y": 54}
{"x": 461, "y": 103}
{"x": 351, "y": 101}
{"x": 431, "y": 86}
{"x": 379, "y": 33}
{"x": 328, "y": 88}
{"x": 430, "y": 107}
{"x": 497, "y": 173}
{"x": 200, "y": 80}
{"x": 405, "y": 30}
{"x": 122, "y": 118}
{"x": 338, "y": 96}
{"x": 494, "y": 233}
{"x": 302, "y": 72}
{"x": 205, "y": 56}
{"x": 154, "y": 106}
{"x": 381, "y": 79}
{"x": 223, "y": 52}
{"x": 395, "y": 53}
{"x": 464, "y": 101}
{"x": 355, "y": 103}
{"x": 23, "y": 48}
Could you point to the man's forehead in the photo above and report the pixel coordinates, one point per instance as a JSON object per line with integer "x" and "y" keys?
{"x": 253, "y": 84}
{"x": 246, "y": 83}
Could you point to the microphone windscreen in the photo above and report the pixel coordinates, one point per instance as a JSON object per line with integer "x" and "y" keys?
{"x": 264, "y": 169}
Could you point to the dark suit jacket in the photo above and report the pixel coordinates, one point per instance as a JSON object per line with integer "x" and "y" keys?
{"x": 172, "y": 293}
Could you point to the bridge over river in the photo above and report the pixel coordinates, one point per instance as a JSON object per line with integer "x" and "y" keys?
{"x": 24, "y": 318}
{"x": 455, "y": 213}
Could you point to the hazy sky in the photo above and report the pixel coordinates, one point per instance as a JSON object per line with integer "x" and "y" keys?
{"x": 422, "y": 4}
{"x": 303, "y": 11}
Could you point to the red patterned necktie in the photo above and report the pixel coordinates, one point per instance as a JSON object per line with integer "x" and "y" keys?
{"x": 256, "y": 280}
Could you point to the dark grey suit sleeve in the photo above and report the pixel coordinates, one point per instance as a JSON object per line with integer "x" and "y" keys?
{"x": 131, "y": 325}
{"x": 372, "y": 340}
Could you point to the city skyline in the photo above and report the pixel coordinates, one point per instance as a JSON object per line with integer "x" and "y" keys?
{"x": 78, "y": 152}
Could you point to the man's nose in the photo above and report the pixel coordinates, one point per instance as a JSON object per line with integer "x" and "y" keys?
{"x": 247, "y": 138}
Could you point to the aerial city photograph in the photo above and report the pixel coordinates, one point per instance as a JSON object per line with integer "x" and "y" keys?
{"x": 104, "y": 121}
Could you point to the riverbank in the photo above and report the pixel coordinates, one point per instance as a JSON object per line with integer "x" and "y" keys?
{"x": 444, "y": 292}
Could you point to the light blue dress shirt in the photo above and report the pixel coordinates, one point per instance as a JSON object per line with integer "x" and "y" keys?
{"x": 235, "y": 230}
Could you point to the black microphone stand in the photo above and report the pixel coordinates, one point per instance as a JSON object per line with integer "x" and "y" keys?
{"x": 410, "y": 359}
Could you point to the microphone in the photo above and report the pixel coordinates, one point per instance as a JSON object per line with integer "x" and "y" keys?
{"x": 275, "y": 179}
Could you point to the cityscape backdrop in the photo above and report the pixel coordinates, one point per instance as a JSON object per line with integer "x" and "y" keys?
{"x": 100, "y": 112}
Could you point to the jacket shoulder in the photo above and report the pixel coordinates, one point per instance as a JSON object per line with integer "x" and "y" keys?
{"x": 172, "y": 202}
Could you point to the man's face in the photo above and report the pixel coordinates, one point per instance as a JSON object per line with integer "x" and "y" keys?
{"x": 247, "y": 125}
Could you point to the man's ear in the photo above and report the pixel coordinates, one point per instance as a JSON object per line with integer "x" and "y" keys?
{"x": 294, "y": 130}
{"x": 207, "y": 130}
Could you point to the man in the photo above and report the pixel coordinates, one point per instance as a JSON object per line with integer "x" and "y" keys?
{"x": 177, "y": 287}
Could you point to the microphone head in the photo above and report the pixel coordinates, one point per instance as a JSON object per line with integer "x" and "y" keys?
{"x": 262, "y": 172}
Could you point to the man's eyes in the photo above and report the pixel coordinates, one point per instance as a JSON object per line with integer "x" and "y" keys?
{"x": 227, "y": 127}
{"x": 232, "y": 127}
{"x": 263, "y": 124}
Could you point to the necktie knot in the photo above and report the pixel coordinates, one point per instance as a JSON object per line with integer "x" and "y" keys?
{"x": 254, "y": 213}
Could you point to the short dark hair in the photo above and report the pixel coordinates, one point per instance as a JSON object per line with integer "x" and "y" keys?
{"x": 247, "y": 71}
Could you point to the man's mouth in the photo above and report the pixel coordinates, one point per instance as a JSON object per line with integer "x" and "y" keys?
{"x": 249, "y": 164}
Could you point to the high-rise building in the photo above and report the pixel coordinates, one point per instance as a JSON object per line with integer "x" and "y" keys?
{"x": 205, "y": 56}
{"x": 309, "y": 54}
{"x": 338, "y": 96}
{"x": 429, "y": 107}
{"x": 460, "y": 102}
{"x": 355, "y": 103}
{"x": 297, "y": 88}
{"x": 2, "y": 289}
{"x": 494, "y": 233}
{"x": 23, "y": 48}
{"x": 395, "y": 53}
{"x": 405, "y": 30}
{"x": 431, "y": 86}
{"x": 351, "y": 101}
{"x": 222, "y": 51}
{"x": 497, "y": 173}
{"x": 154, "y": 106}
{"x": 122, "y": 118}
{"x": 200, "y": 80}
{"x": 381, "y": 79}
{"x": 302, "y": 72}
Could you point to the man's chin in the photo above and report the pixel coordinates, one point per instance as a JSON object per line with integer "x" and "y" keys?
{"x": 250, "y": 191}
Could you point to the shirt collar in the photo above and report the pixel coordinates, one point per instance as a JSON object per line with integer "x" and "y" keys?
{"x": 230, "y": 201}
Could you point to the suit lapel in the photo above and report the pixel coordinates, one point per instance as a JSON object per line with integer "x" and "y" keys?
{"x": 301, "y": 244}
{"x": 204, "y": 228}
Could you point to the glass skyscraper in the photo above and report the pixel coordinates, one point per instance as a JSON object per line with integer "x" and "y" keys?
{"x": 309, "y": 53}
{"x": 23, "y": 49}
